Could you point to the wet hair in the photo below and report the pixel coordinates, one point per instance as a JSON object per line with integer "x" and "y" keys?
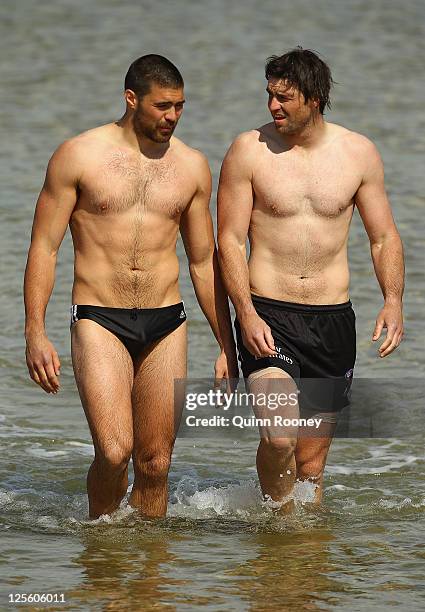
{"x": 152, "y": 69}
{"x": 304, "y": 70}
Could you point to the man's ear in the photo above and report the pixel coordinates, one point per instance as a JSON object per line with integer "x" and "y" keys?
{"x": 131, "y": 99}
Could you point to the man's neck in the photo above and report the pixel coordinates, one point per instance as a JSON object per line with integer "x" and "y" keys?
{"x": 308, "y": 137}
{"x": 138, "y": 142}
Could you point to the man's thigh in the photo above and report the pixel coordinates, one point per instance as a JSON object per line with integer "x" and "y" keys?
{"x": 275, "y": 402}
{"x": 104, "y": 374}
{"x": 156, "y": 411}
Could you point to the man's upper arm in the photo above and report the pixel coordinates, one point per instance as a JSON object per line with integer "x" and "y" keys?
{"x": 57, "y": 198}
{"x": 235, "y": 195}
{"x": 371, "y": 198}
{"x": 196, "y": 224}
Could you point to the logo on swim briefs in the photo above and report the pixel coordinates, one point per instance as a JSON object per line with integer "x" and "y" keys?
{"x": 182, "y": 314}
{"x": 280, "y": 355}
{"x": 74, "y": 317}
{"x": 349, "y": 373}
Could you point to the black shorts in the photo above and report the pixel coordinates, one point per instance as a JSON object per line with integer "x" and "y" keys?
{"x": 137, "y": 328}
{"x": 313, "y": 342}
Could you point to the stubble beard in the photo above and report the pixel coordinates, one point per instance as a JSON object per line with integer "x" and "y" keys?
{"x": 141, "y": 128}
{"x": 295, "y": 125}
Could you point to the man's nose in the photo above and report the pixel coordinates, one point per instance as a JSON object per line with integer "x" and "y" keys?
{"x": 171, "y": 115}
{"x": 274, "y": 104}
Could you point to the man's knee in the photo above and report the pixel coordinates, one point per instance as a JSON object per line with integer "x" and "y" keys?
{"x": 113, "y": 457}
{"x": 311, "y": 468}
{"x": 278, "y": 446}
{"x": 152, "y": 466}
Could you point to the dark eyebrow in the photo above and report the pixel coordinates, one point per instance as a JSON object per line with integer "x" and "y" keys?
{"x": 169, "y": 102}
{"x": 282, "y": 95}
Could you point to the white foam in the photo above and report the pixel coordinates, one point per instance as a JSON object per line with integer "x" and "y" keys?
{"x": 115, "y": 517}
{"x": 6, "y": 497}
{"x": 41, "y": 452}
{"x": 81, "y": 444}
{"x": 82, "y": 448}
{"x": 47, "y": 521}
{"x": 240, "y": 500}
{"x": 304, "y": 491}
{"x": 375, "y": 469}
{"x": 339, "y": 487}
{"x": 230, "y": 499}
{"x": 390, "y": 504}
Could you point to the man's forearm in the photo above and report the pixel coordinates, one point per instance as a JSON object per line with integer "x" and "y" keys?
{"x": 212, "y": 299}
{"x": 388, "y": 261}
{"x": 38, "y": 286}
{"x": 235, "y": 274}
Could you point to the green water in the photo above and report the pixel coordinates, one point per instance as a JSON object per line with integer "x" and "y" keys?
{"x": 220, "y": 547}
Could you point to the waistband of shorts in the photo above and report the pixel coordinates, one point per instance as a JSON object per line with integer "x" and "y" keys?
{"x": 113, "y": 309}
{"x": 302, "y": 308}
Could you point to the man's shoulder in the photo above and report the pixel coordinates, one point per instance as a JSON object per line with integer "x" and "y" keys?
{"x": 77, "y": 147}
{"x": 245, "y": 146}
{"x": 352, "y": 141}
{"x": 248, "y": 139}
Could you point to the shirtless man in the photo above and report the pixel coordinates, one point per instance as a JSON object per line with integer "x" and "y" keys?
{"x": 126, "y": 188}
{"x": 291, "y": 187}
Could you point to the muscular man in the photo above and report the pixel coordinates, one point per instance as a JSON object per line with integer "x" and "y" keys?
{"x": 126, "y": 188}
{"x": 291, "y": 186}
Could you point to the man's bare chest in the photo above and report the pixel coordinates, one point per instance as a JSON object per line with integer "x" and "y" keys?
{"x": 294, "y": 186}
{"x": 122, "y": 185}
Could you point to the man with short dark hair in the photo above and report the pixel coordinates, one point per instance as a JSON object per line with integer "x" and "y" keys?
{"x": 291, "y": 186}
{"x": 126, "y": 188}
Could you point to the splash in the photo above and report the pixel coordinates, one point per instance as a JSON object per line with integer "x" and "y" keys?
{"x": 239, "y": 500}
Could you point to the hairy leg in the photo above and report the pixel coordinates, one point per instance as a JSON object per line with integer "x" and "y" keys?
{"x": 155, "y": 420}
{"x": 104, "y": 374}
{"x": 275, "y": 455}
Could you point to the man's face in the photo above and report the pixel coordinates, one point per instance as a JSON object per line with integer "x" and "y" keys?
{"x": 157, "y": 113}
{"x": 288, "y": 107}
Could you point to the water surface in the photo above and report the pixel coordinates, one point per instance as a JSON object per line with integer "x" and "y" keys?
{"x": 220, "y": 546}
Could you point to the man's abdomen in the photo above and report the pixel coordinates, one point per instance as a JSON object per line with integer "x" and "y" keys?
{"x": 301, "y": 258}
{"x": 328, "y": 284}
{"x": 153, "y": 283}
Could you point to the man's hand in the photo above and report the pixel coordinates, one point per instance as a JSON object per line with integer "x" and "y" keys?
{"x": 226, "y": 368}
{"x": 257, "y": 336}
{"x": 391, "y": 318}
{"x": 43, "y": 362}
